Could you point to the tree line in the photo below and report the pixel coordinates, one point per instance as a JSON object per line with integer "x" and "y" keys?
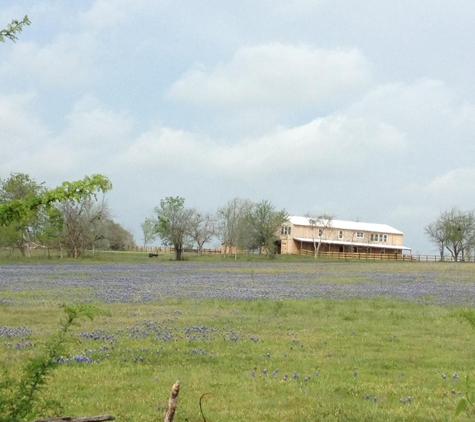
{"x": 70, "y": 218}
{"x": 240, "y": 224}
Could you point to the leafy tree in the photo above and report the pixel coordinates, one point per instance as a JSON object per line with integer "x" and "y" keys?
{"x": 19, "y": 187}
{"x": 232, "y": 228}
{"x": 116, "y": 237}
{"x": 18, "y": 209}
{"x": 14, "y": 28}
{"x": 174, "y": 223}
{"x": 264, "y": 223}
{"x": 454, "y": 231}
{"x": 37, "y": 204}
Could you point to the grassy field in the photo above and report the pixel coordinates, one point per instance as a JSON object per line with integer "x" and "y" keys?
{"x": 270, "y": 341}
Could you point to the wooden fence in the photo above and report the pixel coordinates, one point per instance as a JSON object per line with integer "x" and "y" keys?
{"x": 309, "y": 252}
{"x": 386, "y": 256}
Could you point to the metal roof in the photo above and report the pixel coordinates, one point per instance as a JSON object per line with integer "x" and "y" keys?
{"x": 348, "y": 225}
{"x": 366, "y": 245}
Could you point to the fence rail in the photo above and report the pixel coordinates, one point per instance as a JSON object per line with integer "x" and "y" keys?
{"x": 310, "y": 252}
{"x": 386, "y": 256}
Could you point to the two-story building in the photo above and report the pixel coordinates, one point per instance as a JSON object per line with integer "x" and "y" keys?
{"x": 300, "y": 234}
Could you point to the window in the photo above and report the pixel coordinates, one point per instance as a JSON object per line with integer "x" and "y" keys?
{"x": 359, "y": 235}
{"x": 320, "y": 232}
{"x": 384, "y": 237}
{"x": 374, "y": 237}
{"x": 340, "y": 235}
{"x": 285, "y": 230}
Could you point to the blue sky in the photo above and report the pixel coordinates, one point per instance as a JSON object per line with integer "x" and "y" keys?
{"x": 363, "y": 110}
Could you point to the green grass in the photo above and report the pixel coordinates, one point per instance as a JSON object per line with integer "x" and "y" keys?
{"x": 398, "y": 350}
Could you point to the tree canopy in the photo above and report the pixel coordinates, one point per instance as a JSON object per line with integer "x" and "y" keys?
{"x": 19, "y": 209}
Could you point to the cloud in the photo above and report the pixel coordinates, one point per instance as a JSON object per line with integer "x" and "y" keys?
{"x": 325, "y": 146}
{"x": 104, "y": 14}
{"x": 22, "y": 134}
{"x": 65, "y": 63}
{"x": 276, "y": 75}
{"x": 427, "y": 109}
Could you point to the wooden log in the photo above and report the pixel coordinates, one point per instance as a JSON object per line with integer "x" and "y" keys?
{"x": 99, "y": 418}
{"x": 172, "y": 403}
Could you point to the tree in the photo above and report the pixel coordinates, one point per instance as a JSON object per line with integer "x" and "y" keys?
{"x": 36, "y": 204}
{"x": 115, "y": 237}
{"x": 230, "y": 221}
{"x": 264, "y": 223}
{"x": 320, "y": 223}
{"x": 17, "y": 209}
{"x": 454, "y": 230}
{"x": 82, "y": 224}
{"x": 13, "y": 28}
{"x": 149, "y": 231}
{"x": 203, "y": 229}
{"x": 174, "y": 223}
{"x": 20, "y": 187}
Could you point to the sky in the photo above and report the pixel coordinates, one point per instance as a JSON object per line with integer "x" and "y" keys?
{"x": 361, "y": 110}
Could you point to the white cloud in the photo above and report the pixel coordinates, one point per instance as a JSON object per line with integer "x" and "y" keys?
{"x": 22, "y": 134}
{"x": 66, "y": 62}
{"x": 326, "y": 146}
{"x": 104, "y": 14}
{"x": 453, "y": 188}
{"x": 427, "y": 109}
{"x": 276, "y": 75}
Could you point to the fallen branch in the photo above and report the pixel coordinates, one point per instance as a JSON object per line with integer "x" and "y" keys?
{"x": 172, "y": 403}
{"x": 99, "y": 418}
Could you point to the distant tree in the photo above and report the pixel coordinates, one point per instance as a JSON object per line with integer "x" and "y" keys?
{"x": 454, "y": 230}
{"x": 83, "y": 225}
{"x": 13, "y": 29}
{"x": 231, "y": 225}
{"x": 174, "y": 223}
{"x": 50, "y": 229}
{"x": 29, "y": 209}
{"x": 264, "y": 223}
{"x": 116, "y": 237}
{"x": 203, "y": 229}
{"x": 319, "y": 225}
{"x": 149, "y": 231}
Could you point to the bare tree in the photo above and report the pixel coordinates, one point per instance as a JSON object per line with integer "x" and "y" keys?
{"x": 203, "y": 229}
{"x": 230, "y": 223}
{"x": 149, "y": 231}
{"x": 319, "y": 225}
{"x": 82, "y": 224}
{"x": 454, "y": 230}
